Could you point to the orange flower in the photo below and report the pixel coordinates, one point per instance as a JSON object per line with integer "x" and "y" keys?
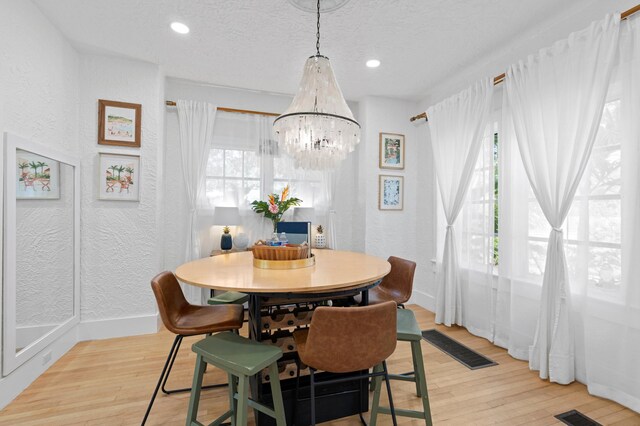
{"x": 272, "y": 199}
{"x": 285, "y": 193}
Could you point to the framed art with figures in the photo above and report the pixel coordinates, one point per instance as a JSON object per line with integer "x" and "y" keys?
{"x": 119, "y": 123}
{"x": 119, "y": 177}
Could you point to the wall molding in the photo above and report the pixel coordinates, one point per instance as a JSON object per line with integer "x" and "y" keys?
{"x": 118, "y": 327}
{"x": 423, "y": 300}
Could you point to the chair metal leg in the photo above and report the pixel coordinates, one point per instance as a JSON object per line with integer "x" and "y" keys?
{"x": 386, "y": 379}
{"x": 313, "y": 396}
{"x": 173, "y": 358}
{"x": 162, "y": 375}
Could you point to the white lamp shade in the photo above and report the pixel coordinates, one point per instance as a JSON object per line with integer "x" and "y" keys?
{"x": 304, "y": 214}
{"x": 226, "y": 216}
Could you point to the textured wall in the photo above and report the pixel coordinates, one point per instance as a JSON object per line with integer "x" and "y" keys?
{"x": 39, "y": 74}
{"x": 121, "y": 240}
{"x": 396, "y": 233}
{"x": 176, "y": 216}
{"x": 44, "y": 291}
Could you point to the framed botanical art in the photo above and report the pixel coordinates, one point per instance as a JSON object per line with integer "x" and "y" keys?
{"x": 391, "y": 151}
{"x": 119, "y": 123}
{"x": 37, "y": 177}
{"x": 119, "y": 177}
{"x": 391, "y": 192}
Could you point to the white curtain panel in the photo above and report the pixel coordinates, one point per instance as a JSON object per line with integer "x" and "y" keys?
{"x": 196, "y": 121}
{"x": 612, "y": 312}
{"x": 477, "y": 231}
{"x": 556, "y": 99}
{"x": 456, "y": 126}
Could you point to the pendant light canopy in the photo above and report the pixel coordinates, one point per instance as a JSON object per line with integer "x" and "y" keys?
{"x": 318, "y": 129}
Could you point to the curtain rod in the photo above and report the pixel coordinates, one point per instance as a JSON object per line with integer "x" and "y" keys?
{"x": 499, "y": 79}
{"x": 239, "y": 111}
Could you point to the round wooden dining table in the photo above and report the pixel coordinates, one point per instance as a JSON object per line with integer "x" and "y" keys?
{"x": 334, "y": 270}
{"x": 336, "y": 275}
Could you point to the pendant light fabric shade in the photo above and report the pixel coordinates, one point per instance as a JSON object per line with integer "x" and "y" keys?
{"x": 318, "y": 129}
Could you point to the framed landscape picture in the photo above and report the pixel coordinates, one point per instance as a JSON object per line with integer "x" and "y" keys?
{"x": 119, "y": 123}
{"x": 391, "y": 151}
{"x": 119, "y": 177}
{"x": 391, "y": 192}
{"x": 38, "y": 177}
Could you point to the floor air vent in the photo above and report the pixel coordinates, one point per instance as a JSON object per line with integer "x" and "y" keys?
{"x": 576, "y": 418}
{"x": 457, "y": 351}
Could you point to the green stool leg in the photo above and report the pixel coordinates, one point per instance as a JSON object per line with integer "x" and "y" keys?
{"x": 377, "y": 387}
{"x": 421, "y": 380}
{"x": 194, "y": 400}
{"x": 276, "y": 392}
{"x": 417, "y": 359}
{"x": 243, "y": 401}
{"x": 233, "y": 404}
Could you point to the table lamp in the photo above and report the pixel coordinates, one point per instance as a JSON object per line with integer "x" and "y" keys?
{"x": 304, "y": 214}
{"x": 226, "y": 216}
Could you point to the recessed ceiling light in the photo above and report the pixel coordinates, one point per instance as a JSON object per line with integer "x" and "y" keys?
{"x": 179, "y": 27}
{"x": 373, "y": 63}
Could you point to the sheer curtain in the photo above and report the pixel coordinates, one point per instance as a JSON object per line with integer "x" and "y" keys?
{"x": 611, "y": 294}
{"x": 601, "y": 239}
{"x": 556, "y": 99}
{"x": 478, "y": 251}
{"x": 456, "y": 127}
{"x": 196, "y": 121}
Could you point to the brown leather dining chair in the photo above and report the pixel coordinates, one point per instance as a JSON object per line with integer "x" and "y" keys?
{"x": 328, "y": 345}
{"x": 397, "y": 285}
{"x": 184, "y": 319}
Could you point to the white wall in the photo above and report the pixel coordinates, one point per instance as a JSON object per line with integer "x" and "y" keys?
{"x": 176, "y": 212}
{"x": 121, "y": 240}
{"x": 39, "y": 71}
{"x": 407, "y": 233}
{"x": 543, "y": 34}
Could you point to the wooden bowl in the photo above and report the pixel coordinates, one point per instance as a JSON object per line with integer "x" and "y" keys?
{"x": 290, "y": 252}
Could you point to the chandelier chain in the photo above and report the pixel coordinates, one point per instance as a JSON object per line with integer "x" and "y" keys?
{"x": 318, "y": 32}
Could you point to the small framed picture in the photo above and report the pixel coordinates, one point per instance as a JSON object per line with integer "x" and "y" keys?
{"x": 391, "y": 151}
{"x": 38, "y": 178}
{"x": 119, "y": 177}
{"x": 391, "y": 192}
{"x": 119, "y": 123}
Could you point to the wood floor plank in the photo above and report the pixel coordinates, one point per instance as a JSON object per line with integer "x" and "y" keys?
{"x": 110, "y": 382}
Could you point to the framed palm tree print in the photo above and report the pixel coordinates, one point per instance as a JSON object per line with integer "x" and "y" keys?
{"x": 119, "y": 177}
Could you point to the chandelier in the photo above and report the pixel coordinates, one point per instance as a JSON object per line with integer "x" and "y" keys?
{"x": 318, "y": 129}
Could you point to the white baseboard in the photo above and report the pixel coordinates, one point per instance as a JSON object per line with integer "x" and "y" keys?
{"x": 424, "y": 300}
{"x": 23, "y": 376}
{"x": 118, "y": 327}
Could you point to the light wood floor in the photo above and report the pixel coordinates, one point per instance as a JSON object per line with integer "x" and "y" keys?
{"x": 110, "y": 382}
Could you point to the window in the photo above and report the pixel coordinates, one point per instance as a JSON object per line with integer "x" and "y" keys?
{"x": 232, "y": 176}
{"x": 480, "y": 216}
{"x": 593, "y": 225}
{"x": 237, "y": 177}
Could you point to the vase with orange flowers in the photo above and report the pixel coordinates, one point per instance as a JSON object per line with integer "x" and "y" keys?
{"x": 274, "y": 208}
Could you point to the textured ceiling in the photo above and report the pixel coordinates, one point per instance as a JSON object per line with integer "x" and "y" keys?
{"x": 262, "y": 45}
